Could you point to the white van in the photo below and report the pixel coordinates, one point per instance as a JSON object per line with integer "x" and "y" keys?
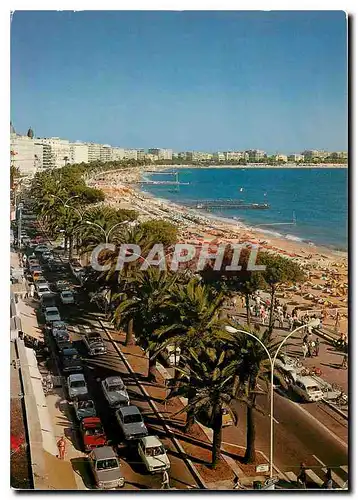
{"x": 307, "y": 388}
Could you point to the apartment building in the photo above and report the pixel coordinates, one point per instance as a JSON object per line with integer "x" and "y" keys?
{"x": 163, "y": 154}
{"x": 130, "y": 154}
{"x": 311, "y": 154}
{"x": 218, "y": 156}
{"x": 151, "y": 157}
{"x": 105, "y": 153}
{"x": 22, "y": 154}
{"x": 296, "y": 157}
{"x": 117, "y": 154}
{"x": 198, "y": 156}
{"x": 235, "y": 155}
{"x": 280, "y": 157}
{"x": 256, "y": 154}
{"x": 79, "y": 152}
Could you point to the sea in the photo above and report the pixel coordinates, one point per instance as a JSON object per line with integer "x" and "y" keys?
{"x": 316, "y": 200}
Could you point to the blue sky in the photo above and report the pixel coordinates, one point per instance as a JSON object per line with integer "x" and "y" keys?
{"x": 186, "y": 80}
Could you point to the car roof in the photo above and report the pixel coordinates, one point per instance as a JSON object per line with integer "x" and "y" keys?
{"x": 66, "y": 291}
{"x": 59, "y": 325}
{"x": 91, "y": 421}
{"x": 69, "y": 350}
{"x": 54, "y": 309}
{"x": 76, "y": 377}
{"x": 129, "y": 410}
{"x": 103, "y": 452}
{"x": 150, "y": 441}
{"x": 114, "y": 380}
{"x": 307, "y": 381}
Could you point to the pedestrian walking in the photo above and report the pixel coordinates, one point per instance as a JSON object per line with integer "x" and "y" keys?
{"x": 257, "y": 328}
{"x": 165, "y": 481}
{"x": 284, "y": 309}
{"x": 317, "y": 346}
{"x": 310, "y": 345}
{"x": 280, "y": 319}
{"x": 328, "y": 483}
{"x": 265, "y": 318}
{"x": 61, "y": 444}
{"x": 32, "y": 290}
{"x": 21, "y": 335}
{"x": 290, "y": 323}
{"x": 302, "y": 477}
{"x": 304, "y": 349}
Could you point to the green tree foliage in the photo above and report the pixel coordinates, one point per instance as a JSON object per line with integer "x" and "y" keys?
{"x": 161, "y": 231}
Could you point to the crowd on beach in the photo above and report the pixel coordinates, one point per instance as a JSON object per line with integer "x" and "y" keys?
{"x": 326, "y": 287}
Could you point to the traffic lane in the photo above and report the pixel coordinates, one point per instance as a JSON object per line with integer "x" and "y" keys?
{"x": 98, "y": 368}
{"x": 297, "y": 436}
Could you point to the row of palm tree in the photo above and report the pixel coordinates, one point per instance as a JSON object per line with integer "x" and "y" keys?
{"x": 217, "y": 370}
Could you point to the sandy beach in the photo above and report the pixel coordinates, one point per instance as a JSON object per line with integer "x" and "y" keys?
{"x": 326, "y": 287}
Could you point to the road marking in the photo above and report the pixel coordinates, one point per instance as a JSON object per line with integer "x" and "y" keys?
{"x": 319, "y": 461}
{"x": 291, "y": 476}
{"x": 313, "y": 476}
{"x": 340, "y": 441}
{"x": 338, "y": 480}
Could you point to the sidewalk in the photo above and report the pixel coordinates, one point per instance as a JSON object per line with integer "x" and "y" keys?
{"x": 329, "y": 359}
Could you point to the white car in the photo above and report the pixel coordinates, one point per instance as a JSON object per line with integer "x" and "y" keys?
{"x": 76, "y": 385}
{"x": 41, "y": 248}
{"x": 52, "y": 314}
{"x": 307, "y": 388}
{"x": 153, "y": 454}
{"x": 67, "y": 297}
{"x": 115, "y": 392}
{"x": 42, "y": 289}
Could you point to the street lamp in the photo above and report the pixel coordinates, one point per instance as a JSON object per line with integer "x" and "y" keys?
{"x": 106, "y": 234}
{"x": 64, "y": 203}
{"x": 231, "y": 329}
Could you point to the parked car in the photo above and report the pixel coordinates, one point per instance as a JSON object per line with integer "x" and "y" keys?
{"x": 84, "y": 408}
{"x": 153, "y": 454}
{"x": 307, "y": 388}
{"x": 70, "y": 360}
{"x": 37, "y": 275}
{"x": 115, "y": 392}
{"x": 41, "y": 248}
{"x": 42, "y": 289}
{"x": 130, "y": 421}
{"x": 58, "y": 326}
{"x": 106, "y": 469}
{"x": 67, "y": 297}
{"x": 47, "y": 301}
{"x": 76, "y": 386}
{"x": 94, "y": 344}
{"x": 52, "y": 314}
{"x": 61, "y": 285}
{"x": 63, "y": 344}
{"x": 42, "y": 281}
{"x": 92, "y": 433}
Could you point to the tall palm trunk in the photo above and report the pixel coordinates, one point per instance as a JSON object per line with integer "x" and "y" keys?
{"x": 65, "y": 244}
{"x": 248, "y": 315}
{"x": 217, "y": 437}
{"x": 129, "y": 333}
{"x": 70, "y": 246}
{"x": 271, "y": 308}
{"x": 190, "y": 415}
{"x": 152, "y": 366}
{"x": 250, "y": 453}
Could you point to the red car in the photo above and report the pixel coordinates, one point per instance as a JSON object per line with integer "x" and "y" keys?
{"x": 92, "y": 433}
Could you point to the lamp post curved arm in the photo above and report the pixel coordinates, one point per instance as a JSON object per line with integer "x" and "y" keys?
{"x": 231, "y": 329}
{"x": 113, "y": 227}
{"x": 106, "y": 234}
{"x": 77, "y": 211}
{"x": 64, "y": 203}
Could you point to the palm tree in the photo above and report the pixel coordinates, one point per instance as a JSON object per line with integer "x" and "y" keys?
{"x": 147, "y": 308}
{"x": 210, "y": 370}
{"x": 194, "y": 317}
{"x": 252, "y": 364}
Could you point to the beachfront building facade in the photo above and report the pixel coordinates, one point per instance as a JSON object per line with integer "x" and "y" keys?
{"x": 218, "y": 156}
{"x": 151, "y": 158}
{"x": 79, "y": 152}
{"x": 58, "y": 151}
{"x": 94, "y": 151}
{"x": 256, "y": 155}
{"x": 105, "y": 153}
{"x": 315, "y": 154}
{"x": 22, "y": 154}
{"x": 163, "y": 154}
{"x": 280, "y": 158}
{"x": 130, "y": 154}
{"x": 235, "y": 155}
{"x": 117, "y": 154}
{"x": 198, "y": 156}
{"x": 296, "y": 157}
